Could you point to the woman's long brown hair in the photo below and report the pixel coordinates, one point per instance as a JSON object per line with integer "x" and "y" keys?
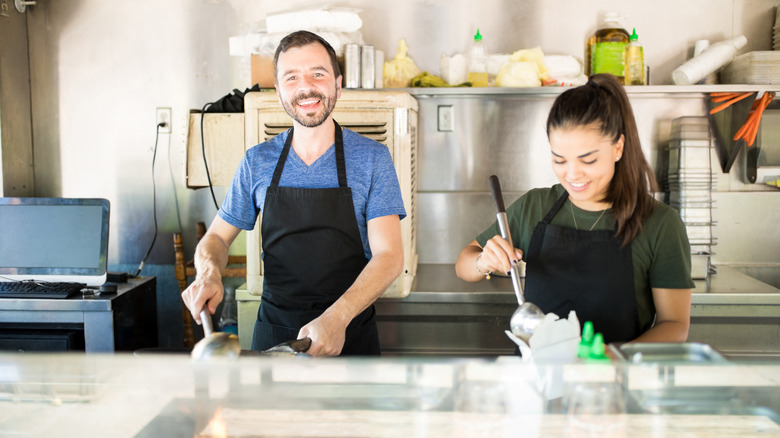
{"x": 602, "y": 103}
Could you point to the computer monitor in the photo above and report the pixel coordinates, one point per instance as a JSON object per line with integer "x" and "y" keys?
{"x": 54, "y": 239}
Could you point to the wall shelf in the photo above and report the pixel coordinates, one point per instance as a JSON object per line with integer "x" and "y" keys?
{"x": 631, "y": 90}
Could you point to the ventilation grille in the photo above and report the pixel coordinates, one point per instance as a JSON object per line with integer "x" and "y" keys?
{"x": 413, "y": 178}
{"x": 374, "y": 131}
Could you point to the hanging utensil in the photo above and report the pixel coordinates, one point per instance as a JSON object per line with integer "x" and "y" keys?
{"x": 527, "y": 316}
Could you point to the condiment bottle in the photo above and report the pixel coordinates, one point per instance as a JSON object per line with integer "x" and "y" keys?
{"x": 606, "y": 48}
{"x": 635, "y": 62}
{"x": 586, "y": 340}
{"x": 228, "y": 319}
{"x": 478, "y": 71}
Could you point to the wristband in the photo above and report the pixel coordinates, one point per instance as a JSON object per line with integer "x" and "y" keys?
{"x": 476, "y": 265}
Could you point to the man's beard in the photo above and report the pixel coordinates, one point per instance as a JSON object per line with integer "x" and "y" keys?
{"x": 310, "y": 120}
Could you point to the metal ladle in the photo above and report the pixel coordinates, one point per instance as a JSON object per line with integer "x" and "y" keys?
{"x": 215, "y": 344}
{"x": 527, "y": 316}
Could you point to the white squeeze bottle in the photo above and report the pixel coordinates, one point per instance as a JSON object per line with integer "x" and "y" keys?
{"x": 709, "y": 61}
{"x": 635, "y": 62}
{"x": 478, "y": 71}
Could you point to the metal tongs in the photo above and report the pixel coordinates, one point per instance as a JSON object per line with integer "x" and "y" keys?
{"x": 527, "y": 316}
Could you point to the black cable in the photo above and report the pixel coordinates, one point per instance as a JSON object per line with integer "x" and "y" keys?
{"x": 154, "y": 201}
{"x": 203, "y": 149}
{"x": 173, "y": 185}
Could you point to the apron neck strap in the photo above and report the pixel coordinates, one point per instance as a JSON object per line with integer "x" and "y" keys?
{"x": 553, "y": 211}
{"x": 341, "y": 166}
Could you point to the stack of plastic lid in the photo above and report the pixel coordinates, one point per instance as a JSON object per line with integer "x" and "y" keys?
{"x": 760, "y": 67}
{"x": 688, "y": 182}
{"x": 776, "y": 31}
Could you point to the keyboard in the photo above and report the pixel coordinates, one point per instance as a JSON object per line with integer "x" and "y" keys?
{"x": 38, "y": 289}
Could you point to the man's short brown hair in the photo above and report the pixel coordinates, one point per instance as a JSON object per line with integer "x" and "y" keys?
{"x": 303, "y": 38}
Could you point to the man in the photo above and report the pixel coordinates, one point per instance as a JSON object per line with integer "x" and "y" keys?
{"x": 331, "y": 208}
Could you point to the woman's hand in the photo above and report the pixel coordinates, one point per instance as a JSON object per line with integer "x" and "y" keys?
{"x": 498, "y": 256}
{"x": 475, "y": 262}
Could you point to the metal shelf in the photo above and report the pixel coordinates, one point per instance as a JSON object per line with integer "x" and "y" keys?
{"x": 553, "y": 91}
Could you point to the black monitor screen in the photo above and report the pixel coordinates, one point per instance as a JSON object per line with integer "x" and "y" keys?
{"x": 53, "y": 236}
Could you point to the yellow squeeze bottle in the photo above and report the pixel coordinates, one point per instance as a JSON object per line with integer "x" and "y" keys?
{"x": 635, "y": 62}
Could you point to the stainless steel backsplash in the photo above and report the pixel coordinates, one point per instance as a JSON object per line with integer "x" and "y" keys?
{"x": 504, "y": 134}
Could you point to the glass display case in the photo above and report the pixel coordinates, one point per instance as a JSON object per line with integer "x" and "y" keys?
{"x": 149, "y": 395}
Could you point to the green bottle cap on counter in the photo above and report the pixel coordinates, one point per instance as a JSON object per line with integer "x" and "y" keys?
{"x": 477, "y": 37}
{"x": 586, "y": 340}
{"x": 634, "y": 36}
{"x": 597, "y": 352}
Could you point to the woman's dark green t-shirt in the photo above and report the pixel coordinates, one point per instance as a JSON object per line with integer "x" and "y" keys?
{"x": 661, "y": 252}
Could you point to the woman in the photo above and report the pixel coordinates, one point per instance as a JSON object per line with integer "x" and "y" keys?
{"x": 598, "y": 242}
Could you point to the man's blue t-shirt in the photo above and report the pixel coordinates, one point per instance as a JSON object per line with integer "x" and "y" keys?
{"x": 370, "y": 175}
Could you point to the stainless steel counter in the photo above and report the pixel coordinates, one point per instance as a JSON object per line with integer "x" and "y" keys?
{"x": 116, "y": 395}
{"x": 444, "y": 315}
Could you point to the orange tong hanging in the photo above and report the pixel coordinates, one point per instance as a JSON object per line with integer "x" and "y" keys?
{"x": 728, "y": 98}
{"x": 749, "y": 130}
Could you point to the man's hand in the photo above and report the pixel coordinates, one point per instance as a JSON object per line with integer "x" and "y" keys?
{"x": 204, "y": 290}
{"x": 327, "y": 333}
{"x": 211, "y": 257}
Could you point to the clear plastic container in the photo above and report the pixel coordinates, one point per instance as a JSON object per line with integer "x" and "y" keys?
{"x": 478, "y": 62}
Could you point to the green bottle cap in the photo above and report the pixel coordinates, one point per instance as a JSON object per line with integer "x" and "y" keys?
{"x": 597, "y": 353}
{"x": 586, "y": 340}
{"x": 477, "y": 37}
{"x": 633, "y": 36}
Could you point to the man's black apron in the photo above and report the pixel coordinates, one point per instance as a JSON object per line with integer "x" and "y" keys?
{"x": 586, "y": 271}
{"x": 312, "y": 253}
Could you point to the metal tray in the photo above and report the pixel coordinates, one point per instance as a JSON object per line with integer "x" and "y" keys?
{"x": 663, "y": 352}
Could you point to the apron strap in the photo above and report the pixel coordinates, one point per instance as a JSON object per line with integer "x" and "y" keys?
{"x": 341, "y": 166}
{"x": 554, "y": 210}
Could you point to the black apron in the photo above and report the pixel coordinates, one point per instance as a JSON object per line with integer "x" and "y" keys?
{"x": 312, "y": 252}
{"x": 586, "y": 271}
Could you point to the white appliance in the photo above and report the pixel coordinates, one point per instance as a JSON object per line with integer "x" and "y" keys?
{"x": 387, "y": 116}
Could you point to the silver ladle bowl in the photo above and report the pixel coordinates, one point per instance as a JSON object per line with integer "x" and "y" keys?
{"x": 215, "y": 344}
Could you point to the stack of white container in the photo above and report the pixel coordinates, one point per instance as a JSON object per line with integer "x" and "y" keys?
{"x": 762, "y": 67}
{"x": 776, "y": 31}
{"x": 688, "y": 182}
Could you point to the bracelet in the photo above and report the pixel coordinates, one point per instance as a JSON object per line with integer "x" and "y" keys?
{"x": 476, "y": 265}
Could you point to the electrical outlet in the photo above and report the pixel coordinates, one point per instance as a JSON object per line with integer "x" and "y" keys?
{"x": 164, "y": 118}
{"x": 446, "y": 122}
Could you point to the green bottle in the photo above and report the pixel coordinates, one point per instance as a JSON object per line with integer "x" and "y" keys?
{"x": 597, "y": 352}
{"x": 586, "y": 340}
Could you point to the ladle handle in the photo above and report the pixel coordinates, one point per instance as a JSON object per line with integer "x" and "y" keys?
{"x": 503, "y": 225}
{"x": 495, "y": 189}
{"x": 205, "y": 319}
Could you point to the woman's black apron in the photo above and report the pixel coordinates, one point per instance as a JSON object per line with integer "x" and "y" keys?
{"x": 312, "y": 253}
{"x": 586, "y": 271}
